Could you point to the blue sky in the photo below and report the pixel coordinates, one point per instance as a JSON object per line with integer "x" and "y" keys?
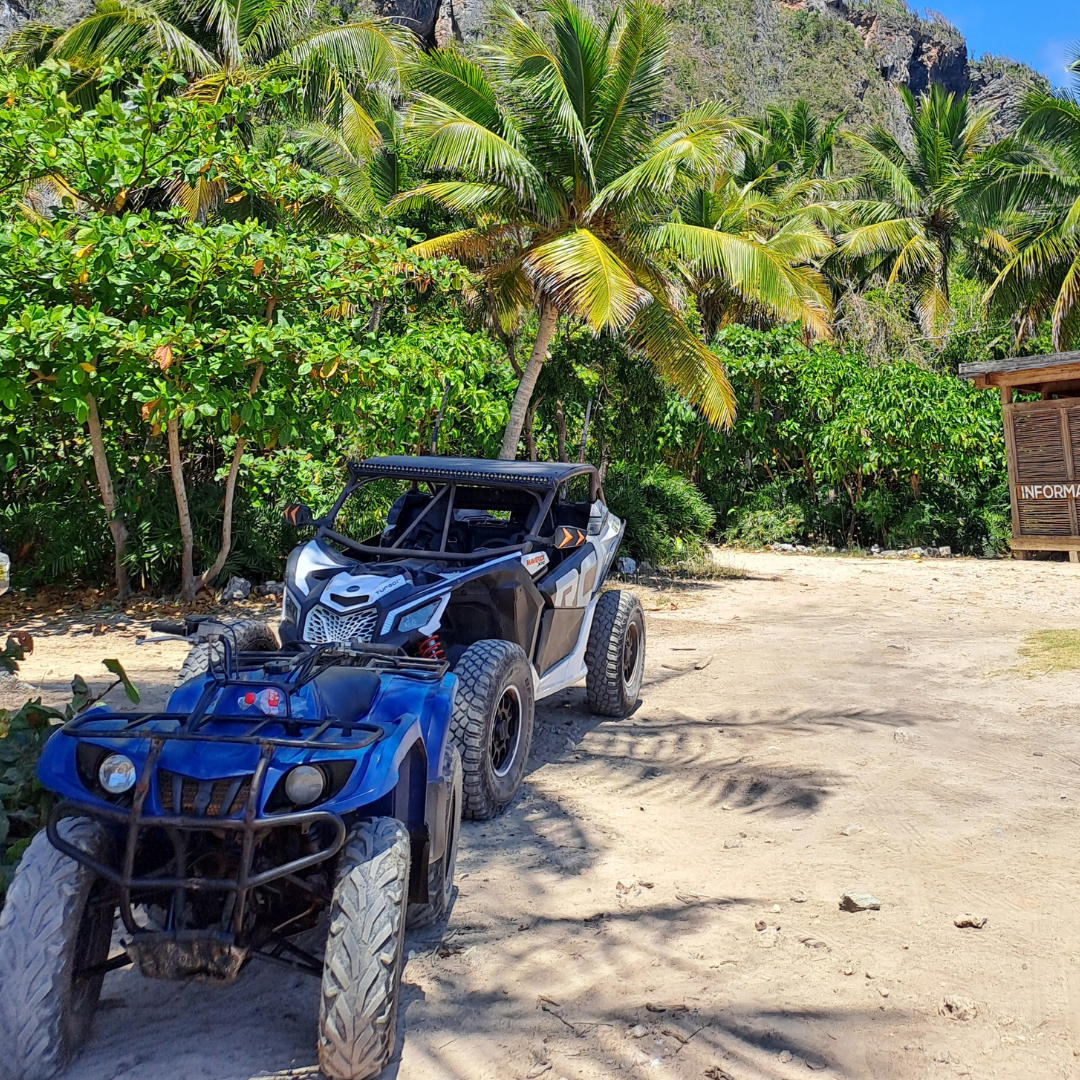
{"x": 1041, "y": 33}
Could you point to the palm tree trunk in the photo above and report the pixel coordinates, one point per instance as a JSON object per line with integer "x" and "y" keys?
{"x": 545, "y": 331}
{"x": 188, "y": 584}
{"x": 108, "y": 497}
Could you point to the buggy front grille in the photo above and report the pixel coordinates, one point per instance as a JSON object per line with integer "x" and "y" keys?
{"x": 183, "y": 795}
{"x": 324, "y": 626}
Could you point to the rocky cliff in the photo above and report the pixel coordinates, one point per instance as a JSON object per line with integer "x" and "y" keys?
{"x": 842, "y": 55}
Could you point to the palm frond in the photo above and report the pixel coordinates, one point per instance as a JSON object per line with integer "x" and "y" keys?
{"x": 766, "y": 276}
{"x": 582, "y": 274}
{"x": 684, "y": 361}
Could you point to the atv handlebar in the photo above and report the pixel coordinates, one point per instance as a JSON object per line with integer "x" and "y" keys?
{"x": 178, "y": 628}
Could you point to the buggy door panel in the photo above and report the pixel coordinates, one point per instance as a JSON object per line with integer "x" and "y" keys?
{"x": 567, "y": 591}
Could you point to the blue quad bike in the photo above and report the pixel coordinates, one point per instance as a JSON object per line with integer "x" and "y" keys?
{"x": 309, "y": 785}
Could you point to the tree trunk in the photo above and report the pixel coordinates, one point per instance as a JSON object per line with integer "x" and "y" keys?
{"x": 545, "y": 331}
{"x": 226, "y": 524}
{"x": 530, "y": 434}
{"x": 108, "y": 497}
{"x": 189, "y": 587}
{"x": 560, "y": 430}
{"x": 373, "y": 319}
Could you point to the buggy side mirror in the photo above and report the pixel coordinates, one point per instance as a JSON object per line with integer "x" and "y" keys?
{"x": 299, "y": 515}
{"x": 567, "y": 536}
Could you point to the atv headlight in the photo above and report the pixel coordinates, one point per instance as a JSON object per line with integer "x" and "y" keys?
{"x": 305, "y": 784}
{"x": 413, "y": 620}
{"x": 116, "y": 774}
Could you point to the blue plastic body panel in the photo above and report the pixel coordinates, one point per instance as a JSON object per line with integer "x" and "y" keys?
{"x": 408, "y": 710}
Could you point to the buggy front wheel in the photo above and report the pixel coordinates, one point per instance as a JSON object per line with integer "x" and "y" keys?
{"x": 244, "y": 635}
{"x": 492, "y": 724}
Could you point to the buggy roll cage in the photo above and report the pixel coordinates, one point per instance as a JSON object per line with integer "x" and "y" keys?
{"x": 286, "y": 671}
{"x": 540, "y": 479}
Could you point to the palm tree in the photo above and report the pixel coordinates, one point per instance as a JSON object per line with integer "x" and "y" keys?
{"x": 792, "y": 144}
{"x": 1039, "y": 237}
{"x": 917, "y": 207}
{"x": 546, "y": 152}
{"x": 346, "y": 76}
{"x": 737, "y": 238}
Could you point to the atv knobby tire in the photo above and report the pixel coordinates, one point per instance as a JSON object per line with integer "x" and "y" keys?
{"x": 246, "y": 635}
{"x": 615, "y": 654}
{"x": 441, "y": 873}
{"x": 492, "y": 724}
{"x": 57, "y": 921}
{"x": 362, "y": 965}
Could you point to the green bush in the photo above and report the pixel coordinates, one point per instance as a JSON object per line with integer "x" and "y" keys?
{"x": 753, "y": 527}
{"x": 667, "y": 518}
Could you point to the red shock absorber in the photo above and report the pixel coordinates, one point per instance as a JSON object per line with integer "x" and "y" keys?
{"x": 431, "y": 648}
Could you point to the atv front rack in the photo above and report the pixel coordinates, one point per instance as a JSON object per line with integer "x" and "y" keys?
{"x": 249, "y": 826}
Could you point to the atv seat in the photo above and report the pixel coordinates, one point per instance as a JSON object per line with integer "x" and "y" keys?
{"x": 347, "y": 693}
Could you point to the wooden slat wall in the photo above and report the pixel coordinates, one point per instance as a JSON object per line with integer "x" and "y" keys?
{"x": 1042, "y": 441}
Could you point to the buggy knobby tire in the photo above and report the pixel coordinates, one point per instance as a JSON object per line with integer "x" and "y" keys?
{"x": 245, "y": 635}
{"x": 615, "y": 654}
{"x": 441, "y": 873}
{"x": 362, "y": 965}
{"x": 57, "y": 921}
{"x": 492, "y": 724}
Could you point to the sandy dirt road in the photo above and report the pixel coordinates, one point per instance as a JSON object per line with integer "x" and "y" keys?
{"x": 821, "y": 725}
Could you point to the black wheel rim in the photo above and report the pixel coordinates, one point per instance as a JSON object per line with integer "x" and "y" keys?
{"x": 505, "y": 731}
{"x": 631, "y": 648}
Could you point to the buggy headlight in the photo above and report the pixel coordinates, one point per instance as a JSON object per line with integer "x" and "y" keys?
{"x": 305, "y": 784}
{"x": 413, "y": 620}
{"x": 116, "y": 774}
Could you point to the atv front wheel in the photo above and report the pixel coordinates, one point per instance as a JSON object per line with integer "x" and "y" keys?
{"x": 615, "y": 654}
{"x": 362, "y": 965}
{"x": 55, "y": 930}
{"x": 245, "y": 635}
{"x": 441, "y": 873}
{"x": 492, "y": 724}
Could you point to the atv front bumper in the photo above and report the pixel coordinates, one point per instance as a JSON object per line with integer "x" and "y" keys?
{"x": 249, "y": 828}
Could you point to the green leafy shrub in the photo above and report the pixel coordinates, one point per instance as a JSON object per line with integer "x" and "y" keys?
{"x": 667, "y": 518}
{"x": 24, "y": 803}
{"x": 753, "y": 527}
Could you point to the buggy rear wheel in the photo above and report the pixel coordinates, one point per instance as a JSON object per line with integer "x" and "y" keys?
{"x": 441, "y": 873}
{"x": 55, "y": 929}
{"x": 492, "y": 724}
{"x": 615, "y": 654}
{"x": 362, "y": 965}
{"x": 245, "y": 635}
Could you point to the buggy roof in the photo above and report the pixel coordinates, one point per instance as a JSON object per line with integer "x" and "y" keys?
{"x": 535, "y": 475}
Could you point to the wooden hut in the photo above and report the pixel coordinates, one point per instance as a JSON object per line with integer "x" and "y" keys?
{"x": 1042, "y": 443}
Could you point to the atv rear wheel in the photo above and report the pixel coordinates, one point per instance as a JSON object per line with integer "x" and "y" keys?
{"x": 492, "y": 724}
{"x": 362, "y": 965}
{"x": 441, "y": 873}
{"x": 615, "y": 654}
{"x": 55, "y": 926}
{"x": 245, "y": 635}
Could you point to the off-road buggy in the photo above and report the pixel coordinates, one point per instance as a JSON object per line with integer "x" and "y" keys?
{"x": 494, "y": 566}
{"x": 311, "y": 788}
